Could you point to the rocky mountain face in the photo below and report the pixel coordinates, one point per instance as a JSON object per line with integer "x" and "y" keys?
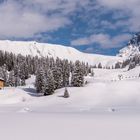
{"x": 132, "y": 48}
{"x": 131, "y": 53}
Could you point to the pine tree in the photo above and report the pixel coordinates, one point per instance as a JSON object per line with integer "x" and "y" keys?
{"x": 9, "y": 61}
{"x": 11, "y": 79}
{"x": 50, "y": 86}
{"x": 40, "y": 81}
{"x": 92, "y": 73}
{"x": 58, "y": 77}
{"x": 118, "y": 65}
{"x": 66, "y": 93}
{"x": 77, "y": 75}
{"x": 1, "y": 58}
{"x": 100, "y": 66}
{"x": 23, "y": 72}
{"x": 5, "y": 75}
{"x": 16, "y": 74}
{"x": 65, "y": 72}
{"x": 132, "y": 65}
{"x": 17, "y": 81}
{"x": 1, "y": 73}
{"x": 71, "y": 66}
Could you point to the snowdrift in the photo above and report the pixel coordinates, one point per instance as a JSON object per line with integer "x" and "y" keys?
{"x": 13, "y": 96}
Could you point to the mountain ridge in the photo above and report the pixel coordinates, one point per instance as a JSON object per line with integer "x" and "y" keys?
{"x": 34, "y": 48}
{"x": 132, "y": 48}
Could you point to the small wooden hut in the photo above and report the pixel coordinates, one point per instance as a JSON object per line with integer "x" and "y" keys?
{"x": 1, "y": 83}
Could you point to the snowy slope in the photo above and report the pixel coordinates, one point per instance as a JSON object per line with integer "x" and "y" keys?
{"x": 105, "y": 89}
{"x": 52, "y": 50}
{"x": 103, "y": 109}
{"x": 129, "y": 51}
{"x": 133, "y": 47}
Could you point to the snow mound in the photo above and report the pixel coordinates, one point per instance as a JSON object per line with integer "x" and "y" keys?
{"x": 25, "y": 110}
{"x": 13, "y": 96}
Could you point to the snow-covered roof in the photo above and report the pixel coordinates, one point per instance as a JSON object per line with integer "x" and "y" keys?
{"x": 1, "y": 79}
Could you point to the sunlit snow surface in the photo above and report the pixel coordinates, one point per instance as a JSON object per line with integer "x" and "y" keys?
{"x": 105, "y": 109}
{"x": 51, "y": 50}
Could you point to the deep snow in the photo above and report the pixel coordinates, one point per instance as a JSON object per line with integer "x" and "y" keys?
{"x": 104, "y": 89}
{"x": 30, "y": 126}
{"x": 105, "y": 108}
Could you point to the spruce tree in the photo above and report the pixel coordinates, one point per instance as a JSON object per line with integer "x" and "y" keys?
{"x": 11, "y": 79}
{"x": 65, "y": 72}
{"x": 40, "y": 81}
{"x": 77, "y": 79}
{"x": 58, "y": 77}
{"x": 92, "y": 73}
{"x": 132, "y": 65}
{"x": 100, "y": 66}
{"x": 1, "y": 73}
{"x": 49, "y": 86}
{"x": 66, "y": 93}
{"x": 16, "y": 74}
{"x": 5, "y": 74}
{"x": 118, "y": 65}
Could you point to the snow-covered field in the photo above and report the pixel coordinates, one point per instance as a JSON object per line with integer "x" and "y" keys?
{"x": 105, "y": 109}
{"x": 31, "y": 126}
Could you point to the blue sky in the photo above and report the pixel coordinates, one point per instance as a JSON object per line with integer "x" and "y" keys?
{"x": 93, "y": 26}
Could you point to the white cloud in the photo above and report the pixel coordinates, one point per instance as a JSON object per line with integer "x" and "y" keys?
{"x": 107, "y": 24}
{"x": 103, "y": 40}
{"x": 129, "y": 8}
{"x": 25, "y": 18}
{"x": 81, "y": 41}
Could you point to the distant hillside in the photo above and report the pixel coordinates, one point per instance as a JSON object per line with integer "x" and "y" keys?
{"x": 52, "y": 50}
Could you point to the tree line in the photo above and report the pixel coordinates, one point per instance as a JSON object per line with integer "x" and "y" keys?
{"x": 131, "y": 62}
{"x": 51, "y": 74}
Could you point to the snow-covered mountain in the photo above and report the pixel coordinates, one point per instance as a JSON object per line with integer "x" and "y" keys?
{"x": 133, "y": 47}
{"x": 43, "y": 49}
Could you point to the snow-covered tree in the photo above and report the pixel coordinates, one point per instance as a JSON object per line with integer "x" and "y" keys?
{"x": 11, "y": 79}
{"x": 49, "y": 85}
{"x": 5, "y": 75}
{"x": 58, "y": 77}
{"x": 40, "y": 81}
{"x": 2, "y": 61}
{"x": 77, "y": 75}
{"x": 100, "y": 66}
{"x": 92, "y": 73}
{"x": 132, "y": 65}
{"x": 1, "y": 73}
{"x": 17, "y": 77}
{"x": 65, "y": 72}
{"x": 66, "y": 93}
{"x": 118, "y": 65}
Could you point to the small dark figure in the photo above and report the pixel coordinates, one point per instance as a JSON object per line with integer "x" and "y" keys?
{"x": 66, "y": 93}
